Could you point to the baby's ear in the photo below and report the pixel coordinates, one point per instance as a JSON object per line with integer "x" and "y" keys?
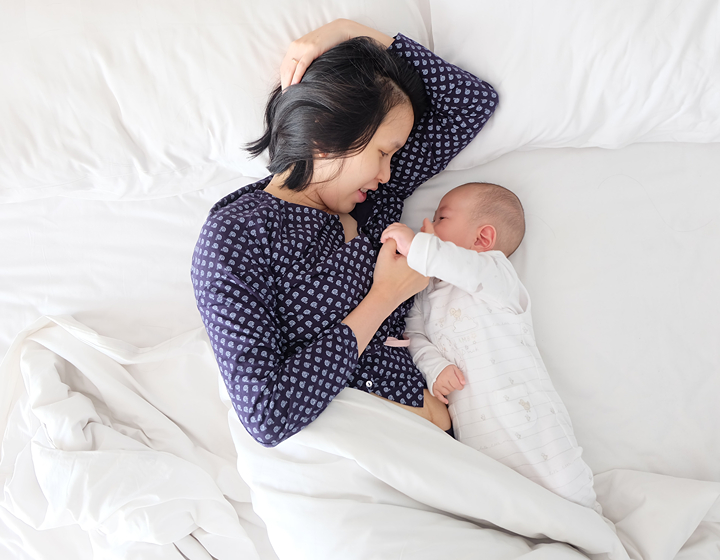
{"x": 485, "y": 239}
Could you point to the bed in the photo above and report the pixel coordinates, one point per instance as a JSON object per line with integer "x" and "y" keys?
{"x": 122, "y": 123}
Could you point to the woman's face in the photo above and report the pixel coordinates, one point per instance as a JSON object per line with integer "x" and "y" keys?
{"x": 338, "y": 192}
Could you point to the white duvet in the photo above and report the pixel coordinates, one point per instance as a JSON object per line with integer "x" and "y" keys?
{"x": 129, "y": 445}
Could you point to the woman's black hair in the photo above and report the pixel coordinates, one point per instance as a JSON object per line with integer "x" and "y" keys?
{"x": 337, "y": 107}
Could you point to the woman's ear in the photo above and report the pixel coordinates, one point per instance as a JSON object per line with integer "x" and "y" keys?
{"x": 485, "y": 238}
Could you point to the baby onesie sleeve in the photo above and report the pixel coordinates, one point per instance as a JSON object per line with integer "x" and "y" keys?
{"x": 489, "y": 274}
{"x": 425, "y": 354}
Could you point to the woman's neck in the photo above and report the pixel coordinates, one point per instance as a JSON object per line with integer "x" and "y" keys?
{"x": 306, "y": 197}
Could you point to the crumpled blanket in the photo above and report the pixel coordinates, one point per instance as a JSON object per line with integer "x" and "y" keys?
{"x": 111, "y": 451}
{"x": 129, "y": 445}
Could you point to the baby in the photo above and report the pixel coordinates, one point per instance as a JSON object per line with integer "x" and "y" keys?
{"x": 471, "y": 336}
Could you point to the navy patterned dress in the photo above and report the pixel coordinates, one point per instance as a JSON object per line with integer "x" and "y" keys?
{"x": 273, "y": 280}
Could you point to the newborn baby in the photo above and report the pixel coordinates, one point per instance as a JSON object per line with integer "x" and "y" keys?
{"x": 471, "y": 336}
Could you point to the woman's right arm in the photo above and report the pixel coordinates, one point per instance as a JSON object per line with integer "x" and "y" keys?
{"x": 393, "y": 283}
{"x": 276, "y": 391}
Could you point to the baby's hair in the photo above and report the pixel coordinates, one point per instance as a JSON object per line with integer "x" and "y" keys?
{"x": 504, "y": 209}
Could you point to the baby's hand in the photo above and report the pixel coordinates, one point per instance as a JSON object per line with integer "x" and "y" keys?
{"x": 427, "y": 227}
{"x": 450, "y": 379}
{"x": 402, "y": 235}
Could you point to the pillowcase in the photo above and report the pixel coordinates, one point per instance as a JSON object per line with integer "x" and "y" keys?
{"x": 597, "y": 73}
{"x": 133, "y": 100}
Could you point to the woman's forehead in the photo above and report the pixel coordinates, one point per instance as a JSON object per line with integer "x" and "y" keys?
{"x": 396, "y": 126}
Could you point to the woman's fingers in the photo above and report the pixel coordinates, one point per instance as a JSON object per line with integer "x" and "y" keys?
{"x": 293, "y": 67}
{"x": 295, "y": 63}
{"x": 393, "y": 275}
{"x": 389, "y": 247}
{"x": 307, "y": 48}
{"x": 287, "y": 71}
{"x": 300, "y": 66}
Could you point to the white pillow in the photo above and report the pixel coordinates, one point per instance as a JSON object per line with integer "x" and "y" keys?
{"x": 596, "y": 73}
{"x": 131, "y": 100}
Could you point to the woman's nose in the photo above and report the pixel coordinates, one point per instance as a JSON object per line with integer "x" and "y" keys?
{"x": 383, "y": 175}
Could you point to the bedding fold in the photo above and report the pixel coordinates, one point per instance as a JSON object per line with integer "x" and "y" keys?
{"x": 132, "y": 448}
{"x": 376, "y": 478}
{"x": 107, "y": 438}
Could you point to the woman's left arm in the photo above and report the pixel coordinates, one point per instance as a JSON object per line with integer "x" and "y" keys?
{"x": 460, "y": 105}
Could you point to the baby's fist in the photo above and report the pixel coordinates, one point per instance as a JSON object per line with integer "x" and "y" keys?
{"x": 450, "y": 379}
{"x": 427, "y": 226}
{"x": 402, "y": 235}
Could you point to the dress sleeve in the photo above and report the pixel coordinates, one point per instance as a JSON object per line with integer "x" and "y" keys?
{"x": 275, "y": 392}
{"x": 490, "y": 273}
{"x": 459, "y": 106}
{"x": 425, "y": 354}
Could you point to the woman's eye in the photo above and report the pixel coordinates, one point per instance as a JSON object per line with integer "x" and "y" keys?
{"x": 383, "y": 153}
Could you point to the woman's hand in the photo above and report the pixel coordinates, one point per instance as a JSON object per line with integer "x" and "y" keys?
{"x": 393, "y": 282}
{"x": 393, "y": 277}
{"x": 307, "y": 48}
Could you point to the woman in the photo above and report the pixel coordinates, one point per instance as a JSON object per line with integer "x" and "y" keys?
{"x": 297, "y": 293}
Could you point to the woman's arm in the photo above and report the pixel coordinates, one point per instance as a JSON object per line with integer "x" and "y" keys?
{"x": 277, "y": 389}
{"x": 393, "y": 282}
{"x": 308, "y": 47}
{"x": 460, "y": 105}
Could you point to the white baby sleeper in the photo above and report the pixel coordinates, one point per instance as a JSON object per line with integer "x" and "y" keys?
{"x": 475, "y": 313}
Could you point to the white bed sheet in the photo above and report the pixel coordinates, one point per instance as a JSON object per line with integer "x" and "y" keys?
{"x": 620, "y": 258}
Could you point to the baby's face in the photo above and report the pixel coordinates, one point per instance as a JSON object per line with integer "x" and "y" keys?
{"x": 453, "y": 220}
